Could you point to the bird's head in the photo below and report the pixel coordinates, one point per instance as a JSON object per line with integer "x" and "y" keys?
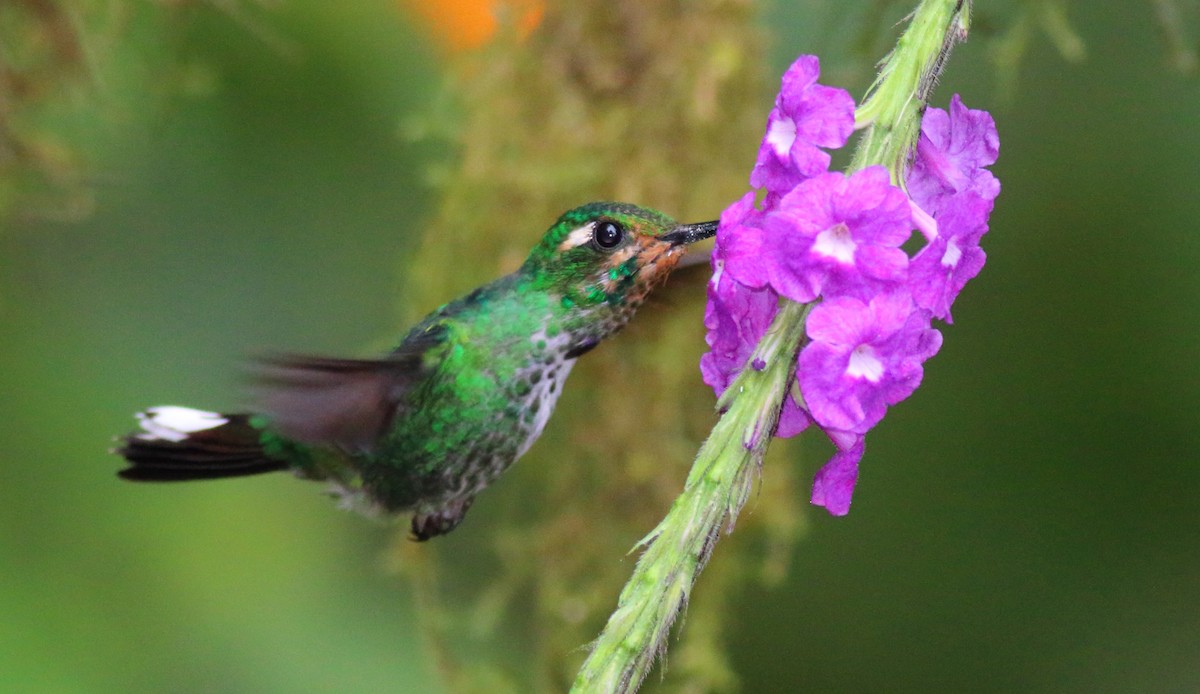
{"x": 610, "y": 254}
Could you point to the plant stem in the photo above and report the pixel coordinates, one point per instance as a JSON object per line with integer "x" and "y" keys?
{"x": 893, "y": 106}
{"x": 716, "y": 489}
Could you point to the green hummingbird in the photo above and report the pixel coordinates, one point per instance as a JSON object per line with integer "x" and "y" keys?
{"x": 469, "y": 389}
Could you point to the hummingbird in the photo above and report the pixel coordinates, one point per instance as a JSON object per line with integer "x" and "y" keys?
{"x": 425, "y": 428}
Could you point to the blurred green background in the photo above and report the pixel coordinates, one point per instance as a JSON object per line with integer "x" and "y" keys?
{"x": 1028, "y": 521}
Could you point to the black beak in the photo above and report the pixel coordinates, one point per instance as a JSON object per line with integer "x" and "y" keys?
{"x": 689, "y": 233}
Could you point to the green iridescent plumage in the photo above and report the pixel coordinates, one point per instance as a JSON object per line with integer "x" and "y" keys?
{"x": 466, "y": 393}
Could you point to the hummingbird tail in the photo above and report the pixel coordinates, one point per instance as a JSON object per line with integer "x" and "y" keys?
{"x": 180, "y": 443}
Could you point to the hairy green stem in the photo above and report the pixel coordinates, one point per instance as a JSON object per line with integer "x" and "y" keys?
{"x": 716, "y": 489}
{"x": 892, "y": 109}
{"x": 724, "y": 470}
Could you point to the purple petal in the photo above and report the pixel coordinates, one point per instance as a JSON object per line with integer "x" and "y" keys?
{"x": 880, "y": 211}
{"x": 973, "y": 137}
{"x": 807, "y": 117}
{"x": 831, "y": 397}
{"x": 792, "y": 419}
{"x": 875, "y": 271}
{"x": 746, "y": 257}
{"x": 741, "y": 242}
{"x": 840, "y": 321}
{"x": 736, "y": 318}
{"x": 940, "y": 270}
{"x": 838, "y": 235}
{"x": 863, "y": 358}
{"x": 952, "y": 151}
{"x": 827, "y": 118}
{"x": 834, "y": 483}
{"x": 891, "y": 311}
{"x": 844, "y": 440}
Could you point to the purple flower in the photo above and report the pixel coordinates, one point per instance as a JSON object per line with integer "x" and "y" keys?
{"x": 837, "y": 235}
{"x": 806, "y": 117}
{"x": 834, "y": 483}
{"x": 863, "y": 357}
{"x": 940, "y": 270}
{"x": 952, "y": 150}
{"x": 739, "y": 236}
{"x": 947, "y": 180}
{"x": 837, "y": 239}
{"x": 737, "y": 316}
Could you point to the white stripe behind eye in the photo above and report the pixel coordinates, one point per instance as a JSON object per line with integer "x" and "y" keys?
{"x": 577, "y": 237}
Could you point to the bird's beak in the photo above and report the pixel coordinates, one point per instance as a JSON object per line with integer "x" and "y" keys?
{"x": 684, "y": 234}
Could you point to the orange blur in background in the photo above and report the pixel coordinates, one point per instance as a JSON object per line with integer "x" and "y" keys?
{"x": 462, "y": 25}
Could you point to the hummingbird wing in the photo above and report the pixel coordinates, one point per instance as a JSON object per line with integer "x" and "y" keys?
{"x": 348, "y": 403}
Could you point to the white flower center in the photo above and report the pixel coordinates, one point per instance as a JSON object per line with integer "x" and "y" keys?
{"x": 837, "y": 243}
{"x": 715, "y": 281}
{"x": 952, "y": 255}
{"x": 781, "y": 135}
{"x": 864, "y": 364}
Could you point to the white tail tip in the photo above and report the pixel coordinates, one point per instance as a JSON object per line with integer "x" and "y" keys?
{"x": 173, "y": 423}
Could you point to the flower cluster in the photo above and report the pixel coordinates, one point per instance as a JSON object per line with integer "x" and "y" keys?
{"x": 836, "y": 241}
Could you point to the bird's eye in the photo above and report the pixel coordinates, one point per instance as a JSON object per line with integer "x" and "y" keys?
{"x": 607, "y": 235}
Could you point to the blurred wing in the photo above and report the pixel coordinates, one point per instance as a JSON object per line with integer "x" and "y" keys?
{"x": 349, "y": 403}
